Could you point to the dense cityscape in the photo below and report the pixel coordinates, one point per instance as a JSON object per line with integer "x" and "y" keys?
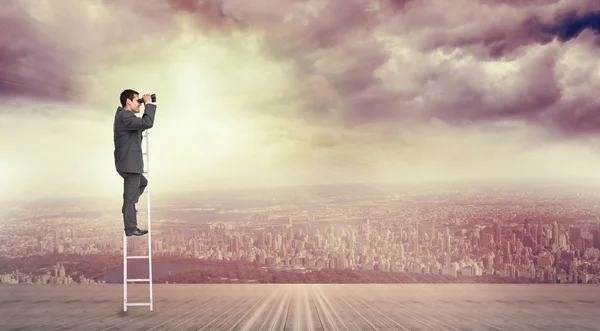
{"x": 537, "y": 236}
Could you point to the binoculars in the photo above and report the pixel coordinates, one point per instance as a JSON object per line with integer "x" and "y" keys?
{"x": 152, "y": 96}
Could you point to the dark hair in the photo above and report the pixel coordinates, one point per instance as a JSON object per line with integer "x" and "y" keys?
{"x": 127, "y": 94}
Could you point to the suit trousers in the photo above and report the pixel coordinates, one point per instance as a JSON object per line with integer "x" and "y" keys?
{"x": 133, "y": 186}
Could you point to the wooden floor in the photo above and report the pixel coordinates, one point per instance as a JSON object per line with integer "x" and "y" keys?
{"x": 302, "y": 307}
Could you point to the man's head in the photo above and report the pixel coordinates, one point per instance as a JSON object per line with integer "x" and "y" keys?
{"x": 129, "y": 100}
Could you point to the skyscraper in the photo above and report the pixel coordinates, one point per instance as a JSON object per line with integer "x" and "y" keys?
{"x": 555, "y": 234}
{"x": 596, "y": 238}
{"x": 496, "y": 232}
{"x": 447, "y": 240}
{"x": 506, "y": 251}
{"x": 416, "y": 239}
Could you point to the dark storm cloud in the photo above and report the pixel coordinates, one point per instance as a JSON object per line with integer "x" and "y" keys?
{"x": 573, "y": 23}
{"x": 34, "y": 62}
{"x": 497, "y": 28}
{"x": 337, "y": 44}
{"x": 537, "y": 92}
{"x": 456, "y": 97}
{"x": 575, "y": 117}
{"x": 469, "y": 95}
{"x": 397, "y": 4}
{"x": 362, "y": 95}
{"x": 46, "y": 59}
{"x": 211, "y": 11}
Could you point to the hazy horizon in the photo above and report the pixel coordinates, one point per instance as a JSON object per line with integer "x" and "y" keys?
{"x": 299, "y": 93}
{"x": 370, "y": 189}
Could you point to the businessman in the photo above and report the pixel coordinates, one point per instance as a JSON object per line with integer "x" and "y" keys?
{"x": 127, "y": 132}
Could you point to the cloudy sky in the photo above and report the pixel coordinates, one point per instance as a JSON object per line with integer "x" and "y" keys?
{"x": 292, "y": 91}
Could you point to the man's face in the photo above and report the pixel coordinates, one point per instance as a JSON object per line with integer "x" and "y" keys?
{"x": 135, "y": 105}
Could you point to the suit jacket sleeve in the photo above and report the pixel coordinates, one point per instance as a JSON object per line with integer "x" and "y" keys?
{"x": 133, "y": 122}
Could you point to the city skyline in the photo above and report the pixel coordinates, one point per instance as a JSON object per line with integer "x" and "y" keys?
{"x": 298, "y": 93}
{"x": 539, "y": 235}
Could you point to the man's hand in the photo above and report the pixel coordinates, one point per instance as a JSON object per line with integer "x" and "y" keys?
{"x": 147, "y": 98}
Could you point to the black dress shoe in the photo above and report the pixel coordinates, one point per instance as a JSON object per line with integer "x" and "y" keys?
{"x": 136, "y": 232}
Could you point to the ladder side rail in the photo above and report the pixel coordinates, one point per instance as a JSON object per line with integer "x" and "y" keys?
{"x": 124, "y": 271}
{"x": 148, "y": 215}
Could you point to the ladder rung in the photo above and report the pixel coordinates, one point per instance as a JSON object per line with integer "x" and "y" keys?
{"x": 138, "y": 304}
{"x": 138, "y": 279}
{"x": 139, "y": 257}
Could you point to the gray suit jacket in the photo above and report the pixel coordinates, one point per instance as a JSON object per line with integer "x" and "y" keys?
{"x": 127, "y": 133}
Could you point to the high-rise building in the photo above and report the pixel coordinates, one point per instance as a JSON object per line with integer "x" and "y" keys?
{"x": 496, "y": 232}
{"x": 555, "y": 233}
{"x": 574, "y": 233}
{"x": 596, "y": 238}
{"x": 341, "y": 261}
{"x": 506, "y": 252}
{"x": 236, "y": 244}
{"x": 415, "y": 239}
{"x": 401, "y": 251}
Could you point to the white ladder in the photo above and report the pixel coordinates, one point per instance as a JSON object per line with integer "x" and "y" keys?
{"x": 149, "y": 256}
